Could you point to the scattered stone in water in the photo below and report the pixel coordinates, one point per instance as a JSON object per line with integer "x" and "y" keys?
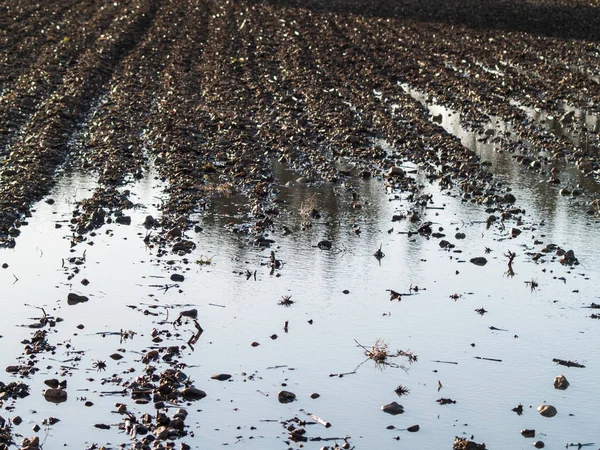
{"x": 255, "y": 344}
{"x": 460, "y": 236}
{"x": 55, "y": 395}
{"x": 539, "y": 444}
{"x": 221, "y": 377}
{"x": 31, "y": 444}
{"x": 178, "y": 278}
{"x": 102, "y": 426}
{"x": 123, "y": 220}
{"x": 464, "y": 444}
{"x": 413, "y": 428}
{"x": 314, "y": 395}
{"x": 192, "y": 393}
{"x": 479, "y": 261}
{"x": 393, "y": 408}
{"x": 514, "y": 232}
{"x": 286, "y": 396}
{"x": 325, "y": 245}
{"x": 528, "y": 433}
{"x": 547, "y": 410}
{"x": 73, "y": 299}
{"x": 561, "y": 382}
{"x": 445, "y": 401}
{"x": 116, "y": 356}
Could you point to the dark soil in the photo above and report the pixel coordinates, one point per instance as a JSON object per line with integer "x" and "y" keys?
{"x": 213, "y": 92}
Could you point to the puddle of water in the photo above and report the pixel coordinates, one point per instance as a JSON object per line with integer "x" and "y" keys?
{"x": 235, "y": 311}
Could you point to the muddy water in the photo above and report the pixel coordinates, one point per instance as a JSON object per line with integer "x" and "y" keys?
{"x": 531, "y": 327}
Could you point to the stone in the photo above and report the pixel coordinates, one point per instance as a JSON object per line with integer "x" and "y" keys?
{"x": 286, "y": 396}
{"x": 55, "y": 395}
{"x": 479, "y": 261}
{"x": 561, "y": 382}
{"x": 123, "y": 220}
{"x": 178, "y": 278}
{"x": 325, "y": 245}
{"x": 547, "y": 410}
{"x": 221, "y": 377}
{"x": 73, "y": 299}
{"x": 393, "y": 408}
{"x": 192, "y": 393}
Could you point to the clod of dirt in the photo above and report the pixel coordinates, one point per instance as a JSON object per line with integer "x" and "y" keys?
{"x": 325, "y": 245}
{"x": 192, "y": 393}
{"x": 393, "y": 408}
{"x": 286, "y": 396}
{"x": 31, "y": 444}
{"x": 464, "y": 444}
{"x": 73, "y": 299}
{"x": 55, "y": 395}
{"x": 547, "y": 410}
{"x": 560, "y": 382}
{"x": 221, "y": 377}
{"x": 479, "y": 261}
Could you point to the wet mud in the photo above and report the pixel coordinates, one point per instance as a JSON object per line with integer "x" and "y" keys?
{"x": 260, "y": 223}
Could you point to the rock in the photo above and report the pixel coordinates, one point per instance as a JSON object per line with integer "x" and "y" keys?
{"x": 560, "y": 382}
{"x": 568, "y": 258}
{"x": 479, "y": 261}
{"x": 413, "y": 428}
{"x": 17, "y": 420}
{"x": 528, "y": 433}
{"x": 395, "y": 171}
{"x": 460, "y": 236}
{"x": 73, "y": 299}
{"x": 123, "y": 220}
{"x": 116, "y": 356}
{"x": 325, "y": 245}
{"x": 547, "y": 410}
{"x": 393, "y": 408}
{"x": 314, "y": 395}
{"x": 539, "y": 444}
{"x": 150, "y": 222}
{"x": 514, "y": 232}
{"x": 178, "y": 278}
{"x": 31, "y": 444}
{"x": 192, "y": 393}
{"x": 509, "y": 198}
{"x": 52, "y": 382}
{"x": 464, "y": 444}
{"x": 221, "y": 377}
{"x": 55, "y": 395}
{"x": 286, "y": 396}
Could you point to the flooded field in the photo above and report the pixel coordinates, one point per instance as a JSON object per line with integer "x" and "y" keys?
{"x": 488, "y": 362}
{"x": 322, "y": 225}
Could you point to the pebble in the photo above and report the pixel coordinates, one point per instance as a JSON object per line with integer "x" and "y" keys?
{"x": 286, "y": 396}
{"x": 561, "y": 382}
{"x": 547, "y": 410}
{"x": 393, "y": 408}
